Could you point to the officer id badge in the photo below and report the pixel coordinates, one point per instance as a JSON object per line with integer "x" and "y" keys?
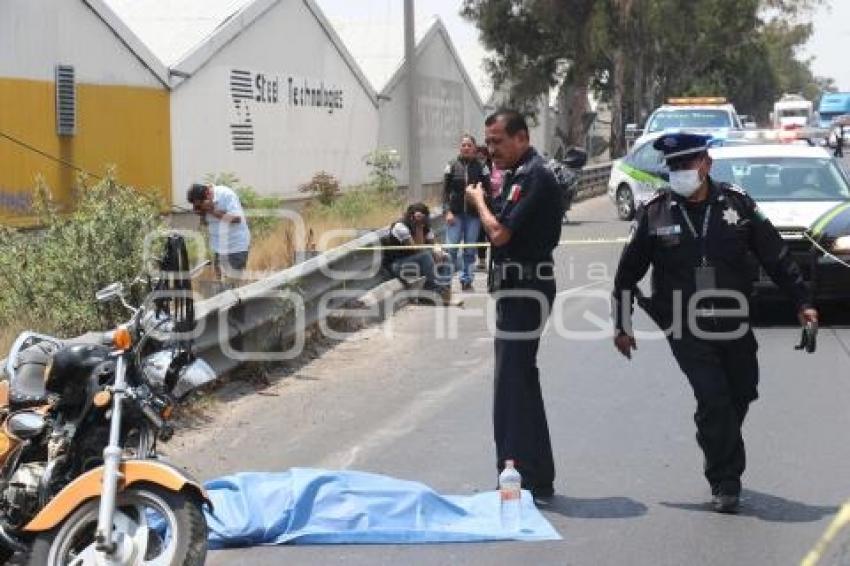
{"x": 706, "y": 278}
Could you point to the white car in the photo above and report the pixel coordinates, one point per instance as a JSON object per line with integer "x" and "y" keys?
{"x": 805, "y": 193}
{"x": 637, "y": 176}
{"x": 707, "y": 115}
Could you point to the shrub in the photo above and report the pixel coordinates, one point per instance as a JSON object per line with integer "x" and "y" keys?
{"x": 323, "y": 186}
{"x": 383, "y": 162}
{"x": 359, "y": 207}
{"x": 51, "y": 275}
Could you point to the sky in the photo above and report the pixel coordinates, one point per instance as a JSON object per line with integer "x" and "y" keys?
{"x": 831, "y": 42}
{"x": 373, "y": 32}
{"x": 828, "y": 46}
{"x": 348, "y": 15}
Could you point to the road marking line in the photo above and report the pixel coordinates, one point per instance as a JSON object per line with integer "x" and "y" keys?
{"x": 825, "y": 252}
{"x": 841, "y": 520}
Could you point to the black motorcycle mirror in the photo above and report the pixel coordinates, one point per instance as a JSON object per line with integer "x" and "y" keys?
{"x": 109, "y": 292}
{"x": 113, "y": 291}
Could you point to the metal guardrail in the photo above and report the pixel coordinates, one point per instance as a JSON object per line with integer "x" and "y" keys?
{"x": 261, "y": 318}
{"x": 593, "y": 180}
{"x": 254, "y": 321}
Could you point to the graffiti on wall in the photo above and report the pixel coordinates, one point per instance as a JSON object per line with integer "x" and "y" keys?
{"x": 440, "y": 111}
{"x": 15, "y": 201}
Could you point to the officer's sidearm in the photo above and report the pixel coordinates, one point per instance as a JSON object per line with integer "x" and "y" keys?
{"x": 634, "y": 263}
{"x": 774, "y": 255}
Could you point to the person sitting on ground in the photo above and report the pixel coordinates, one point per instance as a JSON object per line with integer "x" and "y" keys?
{"x": 414, "y": 229}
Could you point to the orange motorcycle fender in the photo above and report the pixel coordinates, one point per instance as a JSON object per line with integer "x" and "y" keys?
{"x": 88, "y": 485}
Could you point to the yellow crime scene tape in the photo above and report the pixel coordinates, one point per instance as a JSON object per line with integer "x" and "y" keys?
{"x": 588, "y": 241}
{"x": 825, "y": 252}
{"x": 815, "y": 555}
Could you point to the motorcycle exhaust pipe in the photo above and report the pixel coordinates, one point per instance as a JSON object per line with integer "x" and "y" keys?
{"x": 10, "y": 541}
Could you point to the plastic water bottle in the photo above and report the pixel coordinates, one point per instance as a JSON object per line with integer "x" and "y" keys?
{"x": 510, "y": 497}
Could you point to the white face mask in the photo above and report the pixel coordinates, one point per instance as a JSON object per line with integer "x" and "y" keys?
{"x": 685, "y": 182}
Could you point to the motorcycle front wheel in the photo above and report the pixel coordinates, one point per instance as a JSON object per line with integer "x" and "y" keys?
{"x": 154, "y": 527}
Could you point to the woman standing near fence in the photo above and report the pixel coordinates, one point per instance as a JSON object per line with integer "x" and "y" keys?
{"x": 462, "y": 222}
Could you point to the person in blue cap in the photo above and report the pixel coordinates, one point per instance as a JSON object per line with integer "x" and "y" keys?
{"x": 697, "y": 236}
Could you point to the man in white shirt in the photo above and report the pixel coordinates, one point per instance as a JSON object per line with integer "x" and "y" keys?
{"x": 219, "y": 207}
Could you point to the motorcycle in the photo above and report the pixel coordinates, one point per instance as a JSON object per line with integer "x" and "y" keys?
{"x": 80, "y": 479}
{"x": 567, "y": 176}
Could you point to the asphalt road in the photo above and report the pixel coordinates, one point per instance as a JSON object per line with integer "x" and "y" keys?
{"x": 405, "y": 399}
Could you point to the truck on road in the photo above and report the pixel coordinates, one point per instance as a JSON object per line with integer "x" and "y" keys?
{"x": 793, "y": 111}
{"x": 832, "y": 105}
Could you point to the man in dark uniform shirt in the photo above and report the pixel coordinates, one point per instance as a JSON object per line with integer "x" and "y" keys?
{"x": 698, "y": 237}
{"x": 523, "y": 234}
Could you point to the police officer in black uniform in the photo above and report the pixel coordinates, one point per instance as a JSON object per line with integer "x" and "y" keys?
{"x": 523, "y": 232}
{"x": 698, "y": 236}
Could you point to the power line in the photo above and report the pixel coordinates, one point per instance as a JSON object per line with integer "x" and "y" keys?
{"x": 59, "y": 160}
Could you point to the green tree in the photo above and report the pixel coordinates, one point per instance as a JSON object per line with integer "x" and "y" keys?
{"x": 537, "y": 45}
{"x": 634, "y": 54}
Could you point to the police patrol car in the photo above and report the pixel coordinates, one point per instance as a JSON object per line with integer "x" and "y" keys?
{"x": 704, "y": 115}
{"x": 805, "y": 193}
{"x": 798, "y": 185}
{"x": 636, "y": 177}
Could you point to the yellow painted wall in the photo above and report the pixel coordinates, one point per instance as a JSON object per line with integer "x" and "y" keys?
{"x": 128, "y": 127}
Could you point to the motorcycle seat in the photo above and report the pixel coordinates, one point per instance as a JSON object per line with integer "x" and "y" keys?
{"x": 27, "y": 387}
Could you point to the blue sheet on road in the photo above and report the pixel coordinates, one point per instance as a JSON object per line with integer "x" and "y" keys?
{"x": 308, "y": 506}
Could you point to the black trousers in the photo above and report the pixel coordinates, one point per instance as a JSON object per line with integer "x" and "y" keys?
{"x": 724, "y": 375}
{"x": 519, "y": 418}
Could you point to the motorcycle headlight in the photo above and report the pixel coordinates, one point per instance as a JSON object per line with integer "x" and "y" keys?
{"x": 194, "y": 375}
{"x": 155, "y": 368}
{"x": 841, "y": 245}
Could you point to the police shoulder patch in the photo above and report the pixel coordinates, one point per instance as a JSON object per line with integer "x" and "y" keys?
{"x": 657, "y": 197}
{"x": 735, "y": 189}
{"x": 740, "y": 200}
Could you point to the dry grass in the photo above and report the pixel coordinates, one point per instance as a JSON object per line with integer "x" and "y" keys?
{"x": 274, "y": 251}
{"x": 278, "y": 249}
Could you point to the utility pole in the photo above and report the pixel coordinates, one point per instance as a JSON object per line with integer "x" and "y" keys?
{"x": 414, "y": 161}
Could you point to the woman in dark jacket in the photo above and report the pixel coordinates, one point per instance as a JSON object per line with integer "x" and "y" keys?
{"x": 462, "y": 222}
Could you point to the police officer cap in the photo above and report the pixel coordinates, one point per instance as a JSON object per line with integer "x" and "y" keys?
{"x": 681, "y": 145}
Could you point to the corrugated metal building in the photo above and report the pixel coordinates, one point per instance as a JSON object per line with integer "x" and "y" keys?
{"x": 76, "y": 86}
{"x": 169, "y": 92}
{"x": 449, "y": 103}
